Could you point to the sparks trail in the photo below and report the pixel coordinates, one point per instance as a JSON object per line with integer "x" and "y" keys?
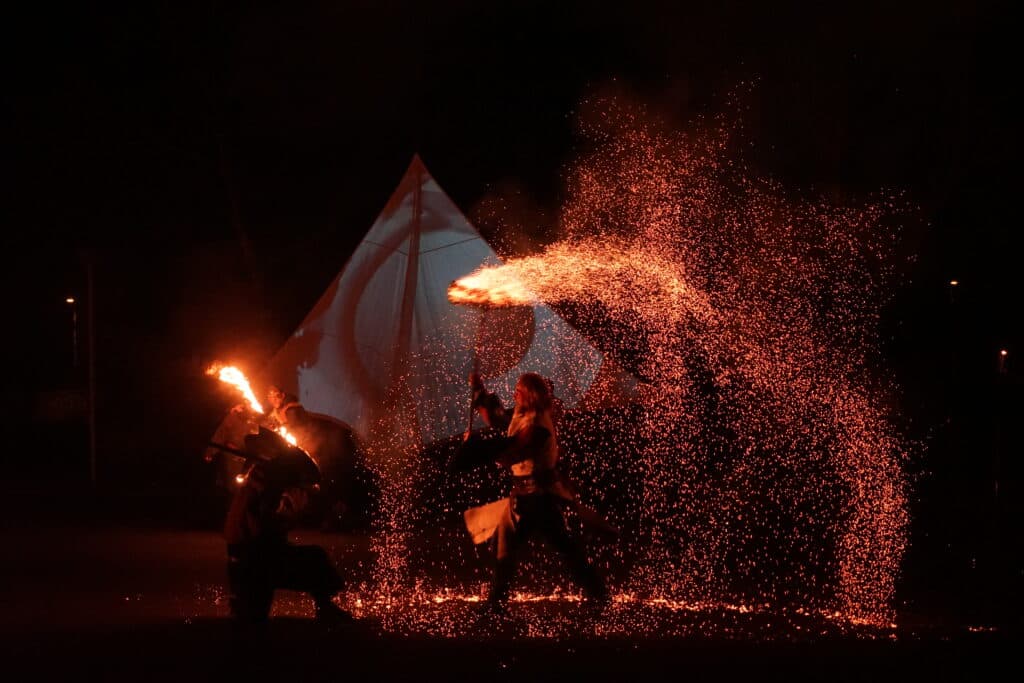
{"x": 770, "y": 471}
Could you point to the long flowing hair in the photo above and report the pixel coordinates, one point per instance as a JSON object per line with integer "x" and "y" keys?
{"x": 537, "y": 398}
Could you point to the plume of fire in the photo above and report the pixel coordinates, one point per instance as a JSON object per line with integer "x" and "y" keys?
{"x": 229, "y": 374}
{"x": 633, "y": 274}
{"x": 288, "y": 436}
{"x": 491, "y": 286}
{"x": 236, "y": 378}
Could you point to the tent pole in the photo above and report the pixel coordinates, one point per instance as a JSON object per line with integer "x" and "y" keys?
{"x": 400, "y": 365}
{"x": 476, "y": 362}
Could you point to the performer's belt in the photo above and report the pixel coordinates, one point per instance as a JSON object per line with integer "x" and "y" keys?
{"x": 539, "y": 481}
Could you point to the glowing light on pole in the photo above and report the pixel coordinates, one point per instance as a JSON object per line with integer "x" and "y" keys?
{"x": 74, "y": 330}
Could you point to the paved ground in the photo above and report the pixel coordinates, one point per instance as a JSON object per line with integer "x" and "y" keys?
{"x": 88, "y": 595}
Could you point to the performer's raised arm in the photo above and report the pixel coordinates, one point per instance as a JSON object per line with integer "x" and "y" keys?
{"x": 488, "y": 405}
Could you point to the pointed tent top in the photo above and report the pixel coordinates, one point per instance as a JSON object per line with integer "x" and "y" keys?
{"x": 416, "y": 164}
{"x": 419, "y": 205}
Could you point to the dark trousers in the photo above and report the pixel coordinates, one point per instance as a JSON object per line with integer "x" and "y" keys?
{"x": 541, "y": 514}
{"x": 255, "y": 572}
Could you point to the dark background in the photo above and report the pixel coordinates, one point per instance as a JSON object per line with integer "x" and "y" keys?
{"x": 213, "y": 165}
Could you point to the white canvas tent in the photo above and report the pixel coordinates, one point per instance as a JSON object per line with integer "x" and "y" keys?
{"x": 384, "y": 339}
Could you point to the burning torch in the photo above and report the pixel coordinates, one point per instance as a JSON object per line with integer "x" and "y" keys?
{"x": 236, "y": 378}
{"x": 486, "y": 288}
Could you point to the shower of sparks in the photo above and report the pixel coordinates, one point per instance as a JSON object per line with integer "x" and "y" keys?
{"x": 770, "y": 471}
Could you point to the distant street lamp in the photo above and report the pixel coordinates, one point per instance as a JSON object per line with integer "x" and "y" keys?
{"x": 74, "y": 330}
{"x": 1003, "y": 353}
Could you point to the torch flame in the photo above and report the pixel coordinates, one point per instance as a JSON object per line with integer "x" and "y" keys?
{"x": 574, "y": 271}
{"x": 235, "y": 377}
{"x": 288, "y": 436}
{"x": 491, "y": 286}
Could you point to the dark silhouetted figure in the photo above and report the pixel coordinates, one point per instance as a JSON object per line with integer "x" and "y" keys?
{"x": 227, "y": 465}
{"x": 347, "y": 485}
{"x": 270, "y": 501}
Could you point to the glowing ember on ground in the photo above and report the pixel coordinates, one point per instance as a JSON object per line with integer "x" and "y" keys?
{"x": 236, "y": 378}
{"x": 450, "y": 613}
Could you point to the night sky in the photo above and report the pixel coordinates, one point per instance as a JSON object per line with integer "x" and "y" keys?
{"x": 216, "y": 163}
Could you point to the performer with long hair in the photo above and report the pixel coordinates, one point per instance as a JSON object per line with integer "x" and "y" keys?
{"x": 529, "y": 450}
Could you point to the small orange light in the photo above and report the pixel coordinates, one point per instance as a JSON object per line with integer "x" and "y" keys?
{"x": 240, "y": 478}
{"x": 954, "y": 283}
{"x": 70, "y": 299}
{"x": 1003, "y": 352}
